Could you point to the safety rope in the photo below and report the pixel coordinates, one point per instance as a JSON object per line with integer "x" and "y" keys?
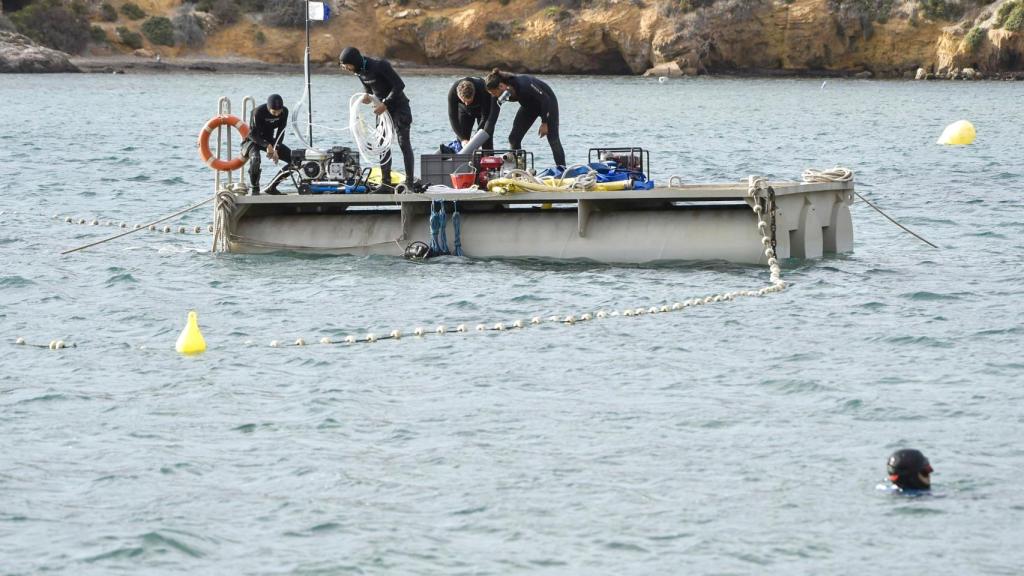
{"x": 438, "y": 238}
{"x": 457, "y": 226}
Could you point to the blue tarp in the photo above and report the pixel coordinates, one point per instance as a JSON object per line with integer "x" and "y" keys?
{"x": 606, "y": 172}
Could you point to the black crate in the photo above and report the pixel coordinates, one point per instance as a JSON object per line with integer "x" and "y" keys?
{"x": 438, "y": 168}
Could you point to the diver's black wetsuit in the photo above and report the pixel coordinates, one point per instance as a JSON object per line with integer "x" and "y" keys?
{"x": 483, "y": 110}
{"x": 265, "y": 129}
{"x": 536, "y": 100}
{"x": 381, "y": 80}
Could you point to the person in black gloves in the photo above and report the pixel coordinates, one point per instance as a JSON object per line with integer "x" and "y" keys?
{"x": 266, "y": 130}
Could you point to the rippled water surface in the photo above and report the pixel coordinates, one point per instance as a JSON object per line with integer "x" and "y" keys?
{"x": 737, "y": 438}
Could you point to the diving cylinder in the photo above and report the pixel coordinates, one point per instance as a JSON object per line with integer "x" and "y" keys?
{"x": 475, "y": 142}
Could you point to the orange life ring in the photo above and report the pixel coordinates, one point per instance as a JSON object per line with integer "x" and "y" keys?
{"x": 204, "y": 143}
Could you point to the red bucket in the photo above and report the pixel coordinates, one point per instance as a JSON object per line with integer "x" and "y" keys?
{"x": 463, "y": 180}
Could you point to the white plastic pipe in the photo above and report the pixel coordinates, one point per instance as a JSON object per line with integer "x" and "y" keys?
{"x": 476, "y": 141}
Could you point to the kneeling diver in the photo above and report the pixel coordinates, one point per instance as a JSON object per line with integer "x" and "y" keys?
{"x": 267, "y": 125}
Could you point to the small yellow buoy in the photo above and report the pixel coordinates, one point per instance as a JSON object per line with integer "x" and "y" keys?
{"x": 191, "y": 341}
{"x": 958, "y": 133}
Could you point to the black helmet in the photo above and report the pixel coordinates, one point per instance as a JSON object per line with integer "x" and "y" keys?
{"x": 910, "y": 469}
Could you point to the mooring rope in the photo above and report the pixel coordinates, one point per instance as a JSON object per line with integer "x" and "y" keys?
{"x": 223, "y": 211}
{"x": 146, "y": 226}
{"x": 840, "y": 174}
{"x": 125, "y": 225}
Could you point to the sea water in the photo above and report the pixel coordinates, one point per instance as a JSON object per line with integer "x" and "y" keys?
{"x": 745, "y": 437}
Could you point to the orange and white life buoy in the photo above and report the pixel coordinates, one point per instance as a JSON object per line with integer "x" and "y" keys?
{"x": 204, "y": 142}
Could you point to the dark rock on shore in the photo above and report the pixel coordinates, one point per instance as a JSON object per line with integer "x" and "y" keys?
{"x": 20, "y": 54}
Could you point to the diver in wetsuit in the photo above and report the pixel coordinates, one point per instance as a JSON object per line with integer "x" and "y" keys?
{"x": 381, "y": 80}
{"x": 469, "y": 103}
{"x": 267, "y": 124}
{"x": 909, "y": 469}
{"x": 536, "y": 100}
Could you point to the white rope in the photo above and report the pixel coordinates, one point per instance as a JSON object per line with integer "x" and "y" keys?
{"x": 837, "y": 174}
{"x": 375, "y": 146}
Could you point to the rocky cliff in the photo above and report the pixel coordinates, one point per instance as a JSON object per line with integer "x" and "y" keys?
{"x": 20, "y": 54}
{"x": 886, "y": 38}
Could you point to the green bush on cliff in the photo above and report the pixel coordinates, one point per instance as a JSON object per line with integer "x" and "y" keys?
{"x": 226, "y": 11}
{"x": 1011, "y": 16}
{"x": 130, "y": 39}
{"x": 98, "y": 35}
{"x": 188, "y": 29}
{"x": 941, "y": 9}
{"x": 132, "y": 11}
{"x": 107, "y": 12}
{"x": 973, "y": 39}
{"x": 159, "y": 30}
{"x": 6, "y": 25}
{"x": 52, "y": 24}
{"x": 285, "y": 13}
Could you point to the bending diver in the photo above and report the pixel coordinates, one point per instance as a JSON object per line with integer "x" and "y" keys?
{"x": 536, "y": 100}
{"x": 469, "y": 103}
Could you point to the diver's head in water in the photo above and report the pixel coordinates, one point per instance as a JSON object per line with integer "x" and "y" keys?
{"x": 910, "y": 470}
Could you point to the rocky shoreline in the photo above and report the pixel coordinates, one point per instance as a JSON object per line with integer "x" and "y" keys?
{"x": 147, "y": 63}
{"x": 19, "y": 54}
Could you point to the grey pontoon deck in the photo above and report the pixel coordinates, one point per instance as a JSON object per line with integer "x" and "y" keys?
{"x": 690, "y": 222}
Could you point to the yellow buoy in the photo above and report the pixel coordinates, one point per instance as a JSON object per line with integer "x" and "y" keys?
{"x": 191, "y": 339}
{"x": 959, "y": 133}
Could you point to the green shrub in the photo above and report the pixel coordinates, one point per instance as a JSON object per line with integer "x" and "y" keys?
{"x": 973, "y": 39}
{"x": 51, "y": 24}
{"x": 6, "y": 25}
{"x": 1011, "y": 16}
{"x": 98, "y": 35}
{"x": 226, "y": 11}
{"x": 159, "y": 30}
{"x": 285, "y": 13}
{"x": 260, "y": 38}
{"x": 130, "y": 39}
{"x": 252, "y": 6}
{"x": 941, "y": 9}
{"x": 108, "y": 13}
{"x": 188, "y": 29}
{"x": 132, "y": 11}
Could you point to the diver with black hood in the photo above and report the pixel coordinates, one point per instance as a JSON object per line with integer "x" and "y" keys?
{"x": 267, "y": 125}
{"x": 536, "y": 100}
{"x": 909, "y": 470}
{"x": 381, "y": 80}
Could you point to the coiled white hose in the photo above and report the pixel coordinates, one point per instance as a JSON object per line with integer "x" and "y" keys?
{"x": 374, "y": 147}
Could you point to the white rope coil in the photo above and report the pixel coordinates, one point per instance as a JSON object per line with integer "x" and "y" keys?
{"x": 374, "y": 147}
{"x": 837, "y": 174}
